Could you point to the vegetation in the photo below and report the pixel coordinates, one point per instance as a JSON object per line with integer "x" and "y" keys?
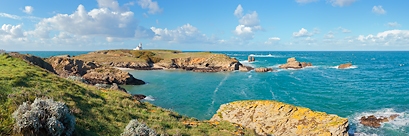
{"x": 44, "y": 117}
{"x": 79, "y": 79}
{"x": 134, "y": 128}
{"x": 97, "y": 112}
{"x": 146, "y": 55}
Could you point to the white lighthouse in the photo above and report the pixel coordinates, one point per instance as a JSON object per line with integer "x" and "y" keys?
{"x": 139, "y": 47}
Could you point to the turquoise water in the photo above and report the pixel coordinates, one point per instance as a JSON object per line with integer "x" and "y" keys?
{"x": 376, "y": 84}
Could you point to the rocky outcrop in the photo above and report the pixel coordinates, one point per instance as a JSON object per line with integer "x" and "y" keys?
{"x": 276, "y": 118}
{"x": 115, "y": 86}
{"x": 344, "y": 66}
{"x": 251, "y": 59}
{"x": 292, "y": 63}
{"x": 133, "y": 65}
{"x": 263, "y": 69}
{"x": 139, "y": 96}
{"x": 93, "y": 73}
{"x": 216, "y": 63}
{"x": 374, "y": 121}
{"x": 63, "y": 56}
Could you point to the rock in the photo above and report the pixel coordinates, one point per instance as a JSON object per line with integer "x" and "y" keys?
{"x": 304, "y": 64}
{"x": 251, "y": 59}
{"x": 276, "y": 118}
{"x": 346, "y": 65}
{"x": 376, "y": 122}
{"x": 105, "y": 75}
{"x": 263, "y": 69}
{"x": 139, "y": 96}
{"x": 117, "y": 87}
{"x": 245, "y": 68}
{"x": 62, "y": 56}
{"x": 291, "y": 63}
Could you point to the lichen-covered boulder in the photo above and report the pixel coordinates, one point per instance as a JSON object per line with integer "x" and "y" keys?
{"x": 273, "y": 117}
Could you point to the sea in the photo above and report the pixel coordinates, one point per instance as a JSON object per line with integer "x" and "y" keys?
{"x": 376, "y": 84}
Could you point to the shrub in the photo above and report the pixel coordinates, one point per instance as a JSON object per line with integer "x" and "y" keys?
{"x": 134, "y": 128}
{"x": 44, "y": 117}
{"x": 103, "y": 86}
{"x": 75, "y": 78}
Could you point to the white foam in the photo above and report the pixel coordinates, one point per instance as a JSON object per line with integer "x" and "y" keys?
{"x": 269, "y": 55}
{"x": 149, "y": 98}
{"x": 250, "y": 76}
{"x": 351, "y": 67}
{"x": 399, "y": 122}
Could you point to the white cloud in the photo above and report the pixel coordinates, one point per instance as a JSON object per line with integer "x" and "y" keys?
{"x": 250, "y": 19}
{"x": 152, "y": 6}
{"x": 329, "y": 36}
{"x": 11, "y": 33}
{"x": 239, "y": 11}
{"x": 330, "y": 32}
{"x": 184, "y": 34}
{"x": 145, "y": 15}
{"x": 28, "y": 9}
{"x": 97, "y": 22}
{"x": 305, "y": 1}
{"x": 387, "y": 38}
{"x": 302, "y": 33}
{"x": 395, "y": 24}
{"x": 157, "y": 22}
{"x": 9, "y": 16}
{"x": 246, "y": 32}
{"x": 272, "y": 40}
{"x": 344, "y": 30}
{"x": 341, "y": 3}
{"x": 249, "y": 24}
{"x": 378, "y": 10}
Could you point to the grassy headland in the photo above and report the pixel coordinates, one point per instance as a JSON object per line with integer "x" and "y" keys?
{"x": 97, "y": 112}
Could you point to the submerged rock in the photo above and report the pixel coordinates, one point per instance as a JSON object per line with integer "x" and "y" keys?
{"x": 346, "y": 65}
{"x": 277, "y": 118}
{"x": 376, "y": 122}
{"x": 263, "y": 69}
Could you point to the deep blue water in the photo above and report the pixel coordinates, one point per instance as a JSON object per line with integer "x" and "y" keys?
{"x": 52, "y": 53}
{"x": 376, "y": 84}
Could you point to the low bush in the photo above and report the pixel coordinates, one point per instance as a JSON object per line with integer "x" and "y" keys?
{"x": 80, "y": 79}
{"x": 135, "y": 128}
{"x": 44, "y": 117}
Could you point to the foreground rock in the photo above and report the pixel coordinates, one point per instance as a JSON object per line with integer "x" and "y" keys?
{"x": 251, "y": 59}
{"x": 272, "y": 117}
{"x": 376, "y": 122}
{"x": 263, "y": 69}
{"x": 292, "y": 63}
{"x": 139, "y": 96}
{"x": 344, "y": 66}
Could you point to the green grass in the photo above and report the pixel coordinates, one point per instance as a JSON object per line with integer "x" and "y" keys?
{"x": 97, "y": 112}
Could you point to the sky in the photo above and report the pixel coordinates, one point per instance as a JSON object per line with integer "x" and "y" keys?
{"x": 211, "y": 25}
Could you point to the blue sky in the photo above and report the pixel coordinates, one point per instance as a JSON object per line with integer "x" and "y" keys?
{"x": 273, "y": 25}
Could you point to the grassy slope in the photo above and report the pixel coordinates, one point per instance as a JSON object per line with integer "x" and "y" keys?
{"x": 97, "y": 112}
{"x": 164, "y": 54}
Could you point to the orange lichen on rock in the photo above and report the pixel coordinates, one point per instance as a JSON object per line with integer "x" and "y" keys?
{"x": 273, "y": 117}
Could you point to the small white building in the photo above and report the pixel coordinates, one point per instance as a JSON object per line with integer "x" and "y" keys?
{"x": 139, "y": 47}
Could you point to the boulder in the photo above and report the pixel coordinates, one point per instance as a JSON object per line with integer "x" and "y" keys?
{"x": 251, "y": 59}
{"x": 117, "y": 87}
{"x": 263, "y": 69}
{"x": 276, "y": 118}
{"x": 344, "y": 66}
{"x": 291, "y": 63}
{"x": 376, "y": 122}
{"x": 245, "y": 68}
{"x": 105, "y": 75}
{"x": 139, "y": 96}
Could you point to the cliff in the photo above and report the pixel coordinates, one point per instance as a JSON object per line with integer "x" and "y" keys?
{"x": 164, "y": 59}
{"x": 93, "y": 73}
{"x": 277, "y": 118}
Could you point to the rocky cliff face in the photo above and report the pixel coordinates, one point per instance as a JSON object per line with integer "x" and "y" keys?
{"x": 93, "y": 73}
{"x": 213, "y": 64}
{"x": 276, "y": 118}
